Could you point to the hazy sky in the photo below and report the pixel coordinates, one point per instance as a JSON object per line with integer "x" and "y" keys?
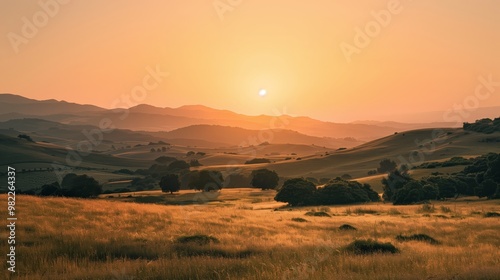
{"x": 421, "y": 56}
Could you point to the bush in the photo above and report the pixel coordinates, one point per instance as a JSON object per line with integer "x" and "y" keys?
{"x": 300, "y": 220}
{"x": 347, "y": 227}
{"x": 264, "y": 179}
{"x": 25, "y": 137}
{"x": 417, "y": 237}
{"x": 318, "y": 214}
{"x": 491, "y": 214}
{"x": 197, "y": 239}
{"x": 363, "y": 247}
{"x": 165, "y": 159}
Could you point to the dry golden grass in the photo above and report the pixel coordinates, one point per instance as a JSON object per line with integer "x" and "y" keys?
{"x": 61, "y": 238}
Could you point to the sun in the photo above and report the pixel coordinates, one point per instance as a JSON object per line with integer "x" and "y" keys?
{"x": 263, "y": 92}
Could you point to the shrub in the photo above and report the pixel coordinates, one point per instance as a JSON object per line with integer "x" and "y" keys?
{"x": 363, "y": 247}
{"x": 426, "y": 208}
{"x": 347, "y": 227}
{"x": 417, "y": 237}
{"x": 25, "y": 137}
{"x": 299, "y": 220}
{"x": 361, "y": 211}
{"x": 491, "y": 214}
{"x": 318, "y": 214}
{"x": 197, "y": 239}
{"x": 165, "y": 159}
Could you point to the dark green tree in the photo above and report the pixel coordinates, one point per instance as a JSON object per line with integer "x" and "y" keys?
{"x": 170, "y": 183}
{"x": 297, "y": 191}
{"x": 386, "y": 165}
{"x": 264, "y": 179}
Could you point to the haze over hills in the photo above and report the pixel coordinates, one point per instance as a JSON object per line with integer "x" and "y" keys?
{"x": 150, "y": 118}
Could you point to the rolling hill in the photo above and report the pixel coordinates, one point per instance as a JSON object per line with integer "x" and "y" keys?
{"x": 151, "y": 118}
{"x": 401, "y": 147}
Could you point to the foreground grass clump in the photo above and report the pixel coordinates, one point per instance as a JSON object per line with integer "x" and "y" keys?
{"x": 365, "y": 247}
{"x": 491, "y": 214}
{"x": 347, "y": 227}
{"x": 417, "y": 237}
{"x": 318, "y": 214}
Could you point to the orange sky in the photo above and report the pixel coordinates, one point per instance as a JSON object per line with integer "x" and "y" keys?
{"x": 427, "y": 57}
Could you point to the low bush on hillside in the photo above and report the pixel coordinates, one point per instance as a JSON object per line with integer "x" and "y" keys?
{"x": 300, "y": 220}
{"x": 318, "y": 214}
{"x": 347, "y": 227}
{"x": 364, "y": 247}
{"x": 417, "y": 237}
{"x": 199, "y": 239}
{"x": 299, "y": 191}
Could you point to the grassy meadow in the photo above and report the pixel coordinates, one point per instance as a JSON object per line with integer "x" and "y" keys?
{"x": 129, "y": 237}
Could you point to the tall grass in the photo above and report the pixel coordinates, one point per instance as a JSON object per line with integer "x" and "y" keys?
{"x": 61, "y": 238}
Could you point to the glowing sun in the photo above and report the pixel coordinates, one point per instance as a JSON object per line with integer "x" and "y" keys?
{"x": 263, "y": 92}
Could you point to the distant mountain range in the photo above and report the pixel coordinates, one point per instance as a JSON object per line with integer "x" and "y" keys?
{"x": 153, "y": 119}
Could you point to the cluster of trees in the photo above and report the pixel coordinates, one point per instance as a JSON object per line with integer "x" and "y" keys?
{"x": 163, "y": 149}
{"x": 487, "y": 126}
{"x": 481, "y": 178}
{"x": 73, "y": 185}
{"x": 300, "y": 192}
{"x": 205, "y": 180}
{"x": 454, "y": 161}
{"x": 25, "y": 137}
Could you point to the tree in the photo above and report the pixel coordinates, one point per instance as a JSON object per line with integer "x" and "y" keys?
{"x": 394, "y": 181}
{"x": 207, "y": 180}
{"x": 81, "y": 186}
{"x": 297, "y": 191}
{"x": 170, "y": 183}
{"x": 165, "y": 159}
{"x": 264, "y": 179}
{"x": 51, "y": 190}
{"x": 194, "y": 163}
{"x": 487, "y": 188}
{"x": 386, "y": 165}
{"x": 446, "y": 186}
{"x": 178, "y": 165}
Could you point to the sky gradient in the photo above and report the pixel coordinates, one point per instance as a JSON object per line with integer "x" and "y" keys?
{"x": 426, "y": 57}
